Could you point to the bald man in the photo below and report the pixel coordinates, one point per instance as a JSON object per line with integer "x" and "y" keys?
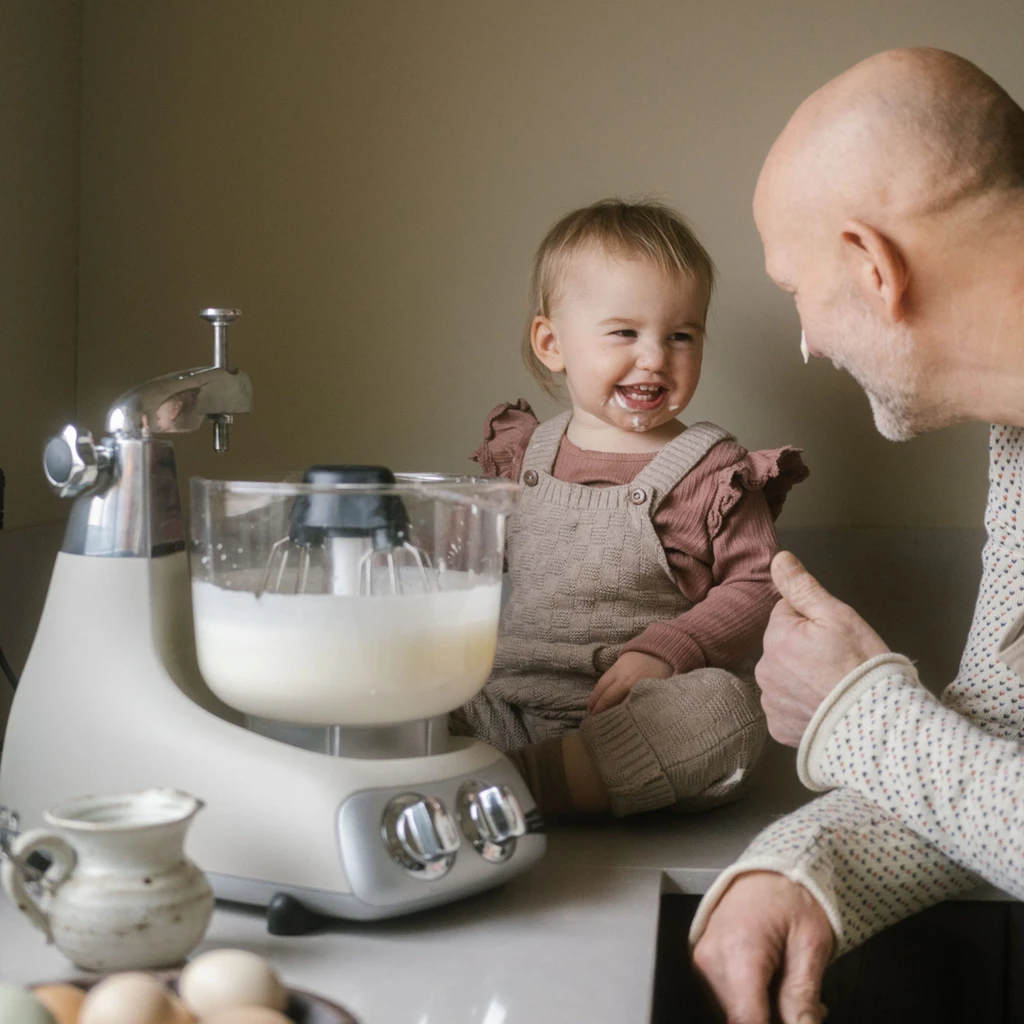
{"x": 892, "y": 208}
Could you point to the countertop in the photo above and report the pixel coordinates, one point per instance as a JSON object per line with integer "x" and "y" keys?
{"x": 574, "y": 939}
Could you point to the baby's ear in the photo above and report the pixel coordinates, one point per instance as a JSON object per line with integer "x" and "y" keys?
{"x": 544, "y": 342}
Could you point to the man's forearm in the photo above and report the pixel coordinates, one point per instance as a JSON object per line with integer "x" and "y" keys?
{"x": 955, "y": 785}
{"x": 866, "y": 869}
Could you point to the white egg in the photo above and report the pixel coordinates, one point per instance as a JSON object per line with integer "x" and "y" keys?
{"x": 131, "y": 998}
{"x": 230, "y": 977}
{"x": 20, "y": 1007}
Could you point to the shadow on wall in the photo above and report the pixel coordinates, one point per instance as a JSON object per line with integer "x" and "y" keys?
{"x": 917, "y": 588}
{"x": 26, "y": 561}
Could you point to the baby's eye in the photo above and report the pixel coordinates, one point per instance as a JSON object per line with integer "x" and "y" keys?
{"x": 625, "y": 332}
{"x": 681, "y": 336}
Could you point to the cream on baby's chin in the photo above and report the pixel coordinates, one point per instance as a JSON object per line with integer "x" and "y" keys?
{"x": 804, "y": 350}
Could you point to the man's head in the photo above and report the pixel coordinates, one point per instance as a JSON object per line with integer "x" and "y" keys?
{"x": 876, "y": 205}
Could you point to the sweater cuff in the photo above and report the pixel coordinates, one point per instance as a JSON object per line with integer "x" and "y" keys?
{"x": 794, "y": 872}
{"x": 846, "y": 693}
{"x": 669, "y": 643}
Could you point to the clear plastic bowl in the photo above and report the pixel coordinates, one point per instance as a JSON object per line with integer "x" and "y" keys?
{"x": 315, "y": 627}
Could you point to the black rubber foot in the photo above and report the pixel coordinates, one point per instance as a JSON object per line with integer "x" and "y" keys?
{"x": 288, "y": 916}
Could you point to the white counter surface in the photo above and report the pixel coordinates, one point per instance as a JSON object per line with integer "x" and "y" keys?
{"x": 574, "y": 940}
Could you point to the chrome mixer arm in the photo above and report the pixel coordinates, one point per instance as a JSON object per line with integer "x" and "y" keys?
{"x": 126, "y": 489}
{"x": 179, "y": 403}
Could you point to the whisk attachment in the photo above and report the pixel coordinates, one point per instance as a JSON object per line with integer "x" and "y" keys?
{"x": 362, "y": 536}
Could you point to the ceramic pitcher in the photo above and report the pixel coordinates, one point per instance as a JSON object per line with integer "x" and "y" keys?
{"x": 120, "y": 893}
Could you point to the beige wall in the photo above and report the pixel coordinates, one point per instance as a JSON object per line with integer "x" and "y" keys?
{"x": 39, "y": 118}
{"x": 368, "y": 181}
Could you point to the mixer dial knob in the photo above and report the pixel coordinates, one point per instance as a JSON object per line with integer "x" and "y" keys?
{"x": 73, "y": 462}
{"x": 420, "y": 835}
{"x": 491, "y": 819}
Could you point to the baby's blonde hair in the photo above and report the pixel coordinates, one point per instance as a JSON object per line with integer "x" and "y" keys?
{"x": 643, "y": 230}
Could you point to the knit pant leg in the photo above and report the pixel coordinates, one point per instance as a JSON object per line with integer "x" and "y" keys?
{"x": 687, "y": 741}
{"x": 491, "y": 719}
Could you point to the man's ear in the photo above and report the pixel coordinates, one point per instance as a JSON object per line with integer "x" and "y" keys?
{"x": 544, "y": 342}
{"x": 879, "y": 269}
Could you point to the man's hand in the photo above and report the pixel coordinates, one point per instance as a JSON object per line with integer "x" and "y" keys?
{"x": 766, "y": 925}
{"x": 629, "y": 668}
{"x": 812, "y": 642}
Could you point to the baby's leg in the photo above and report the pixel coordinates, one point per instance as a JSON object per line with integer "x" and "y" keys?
{"x": 531, "y": 740}
{"x": 687, "y": 741}
{"x": 491, "y": 719}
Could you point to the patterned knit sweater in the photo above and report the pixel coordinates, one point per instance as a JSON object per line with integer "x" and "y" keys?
{"x": 929, "y": 795}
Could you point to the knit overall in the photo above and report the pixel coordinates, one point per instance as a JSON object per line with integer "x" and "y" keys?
{"x": 588, "y": 573}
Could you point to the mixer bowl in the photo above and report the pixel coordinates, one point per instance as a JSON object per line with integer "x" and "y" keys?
{"x": 337, "y": 626}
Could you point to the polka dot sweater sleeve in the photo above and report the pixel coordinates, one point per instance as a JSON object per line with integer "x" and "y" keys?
{"x": 930, "y": 790}
{"x": 954, "y": 784}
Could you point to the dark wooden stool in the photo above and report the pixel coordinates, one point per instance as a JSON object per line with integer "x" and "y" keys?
{"x": 955, "y": 963}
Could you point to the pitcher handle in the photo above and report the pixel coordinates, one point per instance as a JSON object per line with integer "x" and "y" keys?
{"x": 15, "y": 882}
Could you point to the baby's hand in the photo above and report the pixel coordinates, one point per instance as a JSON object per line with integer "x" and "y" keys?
{"x": 614, "y": 686}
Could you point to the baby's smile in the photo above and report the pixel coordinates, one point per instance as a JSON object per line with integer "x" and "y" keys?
{"x": 640, "y": 397}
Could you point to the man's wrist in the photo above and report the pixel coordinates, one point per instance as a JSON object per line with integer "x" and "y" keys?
{"x": 832, "y": 710}
{"x": 769, "y": 865}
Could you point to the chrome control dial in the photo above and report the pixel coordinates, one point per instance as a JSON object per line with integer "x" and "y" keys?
{"x": 420, "y": 835}
{"x": 492, "y": 820}
{"x": 73, "y": 462}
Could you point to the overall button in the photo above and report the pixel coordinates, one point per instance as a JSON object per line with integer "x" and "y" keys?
{"x": 530, "y": 478}
{"x": 638, "y": 495}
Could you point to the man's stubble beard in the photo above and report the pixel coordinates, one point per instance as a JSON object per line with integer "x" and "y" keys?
{"x": 884, "y": 365}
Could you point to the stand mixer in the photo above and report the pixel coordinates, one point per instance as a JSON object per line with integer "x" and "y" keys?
{"x": 337, "y": 621}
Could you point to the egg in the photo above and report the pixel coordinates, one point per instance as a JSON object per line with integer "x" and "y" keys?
{"x": 181, "y": 1012}
{"x": 20, "y": 1007}
{"x": 63, "y": 1001}
{"x": 131, "y": 998}
{"x": 246, "y": 1015}
{"x": 230, "y": 977}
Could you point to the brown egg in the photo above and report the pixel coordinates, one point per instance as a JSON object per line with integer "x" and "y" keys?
{"x": 131, "y": 998}
{"x": 181, "y": 1012}
{"x": 63, "y": 1001}
{"x": 246, "y": 1015}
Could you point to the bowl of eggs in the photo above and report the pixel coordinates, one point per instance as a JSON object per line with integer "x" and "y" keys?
{"x": 223, "y": 986}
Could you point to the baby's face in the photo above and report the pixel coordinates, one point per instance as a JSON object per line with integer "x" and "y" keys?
{"x": 630, "y": 339}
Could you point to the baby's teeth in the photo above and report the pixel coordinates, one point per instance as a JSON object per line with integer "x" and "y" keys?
{"x": 804, "y": 350}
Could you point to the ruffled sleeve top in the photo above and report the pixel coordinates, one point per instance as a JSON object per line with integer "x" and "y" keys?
{"x": 716, "y": 528}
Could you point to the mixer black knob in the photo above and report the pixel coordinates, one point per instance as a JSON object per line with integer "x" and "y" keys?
{"x": 420, "y": 835}
{"x": 492, "y": 820}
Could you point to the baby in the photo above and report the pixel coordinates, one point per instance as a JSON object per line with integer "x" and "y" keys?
{"x": 639, "y": 554}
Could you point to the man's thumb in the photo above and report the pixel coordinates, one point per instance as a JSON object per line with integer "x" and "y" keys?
{"x": 799, "y": 588}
